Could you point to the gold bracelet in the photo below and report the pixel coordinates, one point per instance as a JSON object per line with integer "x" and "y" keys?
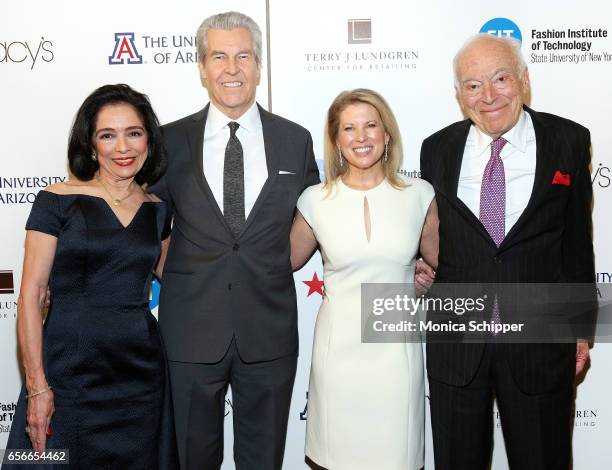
{"x": 40, "y": 392}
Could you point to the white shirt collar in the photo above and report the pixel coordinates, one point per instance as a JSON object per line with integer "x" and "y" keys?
{"x": 217, "y": 120}
{"x": 516, "y": 137}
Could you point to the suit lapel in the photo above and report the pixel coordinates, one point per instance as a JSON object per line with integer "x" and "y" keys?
{"x": 195, "y": 139}
{"x": 450, "y": 176}
{"x": 454, "y": 158}
{"x": 545, "y": 151}
{"x": 545, "y": 162}
{"x": 272, "y": 140}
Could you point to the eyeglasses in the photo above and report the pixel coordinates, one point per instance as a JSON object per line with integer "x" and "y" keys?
{"x": 500, "y": 81}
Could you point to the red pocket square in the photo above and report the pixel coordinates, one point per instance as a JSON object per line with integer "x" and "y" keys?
{"x": 561, "y": 178}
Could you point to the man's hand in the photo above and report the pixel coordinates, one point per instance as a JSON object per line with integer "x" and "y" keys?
{"x": 582, "y": 355}
{"x": 424, "y": 277}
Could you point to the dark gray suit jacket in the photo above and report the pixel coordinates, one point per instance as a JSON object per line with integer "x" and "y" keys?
{"x": 216, "y": 286}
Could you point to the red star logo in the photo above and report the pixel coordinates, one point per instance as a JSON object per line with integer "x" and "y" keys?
{"x": 314, "y": 285}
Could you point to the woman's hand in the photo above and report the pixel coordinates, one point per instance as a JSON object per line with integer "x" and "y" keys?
{"x": 40, "y": 410}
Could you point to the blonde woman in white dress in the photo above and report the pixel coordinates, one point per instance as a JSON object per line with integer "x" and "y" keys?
{"x": 366, "y": 400}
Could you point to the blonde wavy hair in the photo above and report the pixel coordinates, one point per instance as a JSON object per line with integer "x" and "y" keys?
{"x": 333, "y": 169}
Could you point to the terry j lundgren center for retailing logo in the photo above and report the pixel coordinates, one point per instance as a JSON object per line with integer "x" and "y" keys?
{"x": 362, "y": 52}
{"x": 8, "y": 300}
{"x": 584, "y": 418}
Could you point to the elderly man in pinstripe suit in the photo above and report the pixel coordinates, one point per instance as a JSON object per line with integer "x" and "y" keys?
{"x": 496, "y": 174}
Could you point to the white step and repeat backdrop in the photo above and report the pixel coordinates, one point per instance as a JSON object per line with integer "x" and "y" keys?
{"x": 52, "y": 54}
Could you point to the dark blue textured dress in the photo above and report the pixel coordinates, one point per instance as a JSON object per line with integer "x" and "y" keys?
{"x": 102, "y": 349}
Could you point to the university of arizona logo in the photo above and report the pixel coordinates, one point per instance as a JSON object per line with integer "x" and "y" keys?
{"x": 125, "y": 50}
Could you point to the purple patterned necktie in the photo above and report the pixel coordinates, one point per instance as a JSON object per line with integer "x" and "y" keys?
{"x": 493, "y": 204}
{"x": 493, "y": 194}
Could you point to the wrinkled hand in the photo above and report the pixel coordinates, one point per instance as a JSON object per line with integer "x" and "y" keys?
{"x": 40, "y": 409}
{"x": 424, "y": 277}
{"x": 582, "y": 355}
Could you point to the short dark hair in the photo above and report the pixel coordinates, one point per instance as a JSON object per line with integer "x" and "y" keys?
{"x": 80, "y": 145}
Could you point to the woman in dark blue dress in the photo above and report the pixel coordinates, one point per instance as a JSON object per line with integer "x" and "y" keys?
{"x": 95, "y": 370}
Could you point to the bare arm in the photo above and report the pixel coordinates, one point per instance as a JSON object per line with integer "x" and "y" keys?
{"x": 159, "y": 267}
{"x": 303, "y": 242}
{"x": 429, "y": 236}
{"x": 39, "y": 254}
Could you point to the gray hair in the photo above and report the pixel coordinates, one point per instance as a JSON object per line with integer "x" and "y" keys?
{"x": 512, "y": 44}
{"x": 228, "y": 20}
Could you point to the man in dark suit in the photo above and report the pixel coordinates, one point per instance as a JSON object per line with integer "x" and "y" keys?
{"x": 228, "y": 310}
{"x": 514, "y": 200}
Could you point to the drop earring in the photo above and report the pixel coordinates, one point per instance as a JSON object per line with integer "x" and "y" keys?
{"x": 386, "y": 157}
{"x": 340, "y": 157}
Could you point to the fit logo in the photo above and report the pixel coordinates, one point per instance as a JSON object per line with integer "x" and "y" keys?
{"x": 502, "y": 28}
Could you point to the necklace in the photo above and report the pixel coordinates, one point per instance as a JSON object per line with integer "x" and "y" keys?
{"x": 116, "y": 201}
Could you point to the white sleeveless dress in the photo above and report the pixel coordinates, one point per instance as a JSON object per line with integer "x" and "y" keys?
{"x": 366, "y": 401}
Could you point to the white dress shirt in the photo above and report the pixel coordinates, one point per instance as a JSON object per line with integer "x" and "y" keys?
{"x": 519, "y": 157}
{"x": 250, "y": 135}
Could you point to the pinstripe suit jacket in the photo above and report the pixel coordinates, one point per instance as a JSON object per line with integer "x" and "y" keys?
{"x": 550, "y": 243}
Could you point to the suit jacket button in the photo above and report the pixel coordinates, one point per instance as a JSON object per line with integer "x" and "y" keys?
{"x": 497, "y": 259}
{"x": 229, "y": 286}
{"x": 236, "y": 247}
